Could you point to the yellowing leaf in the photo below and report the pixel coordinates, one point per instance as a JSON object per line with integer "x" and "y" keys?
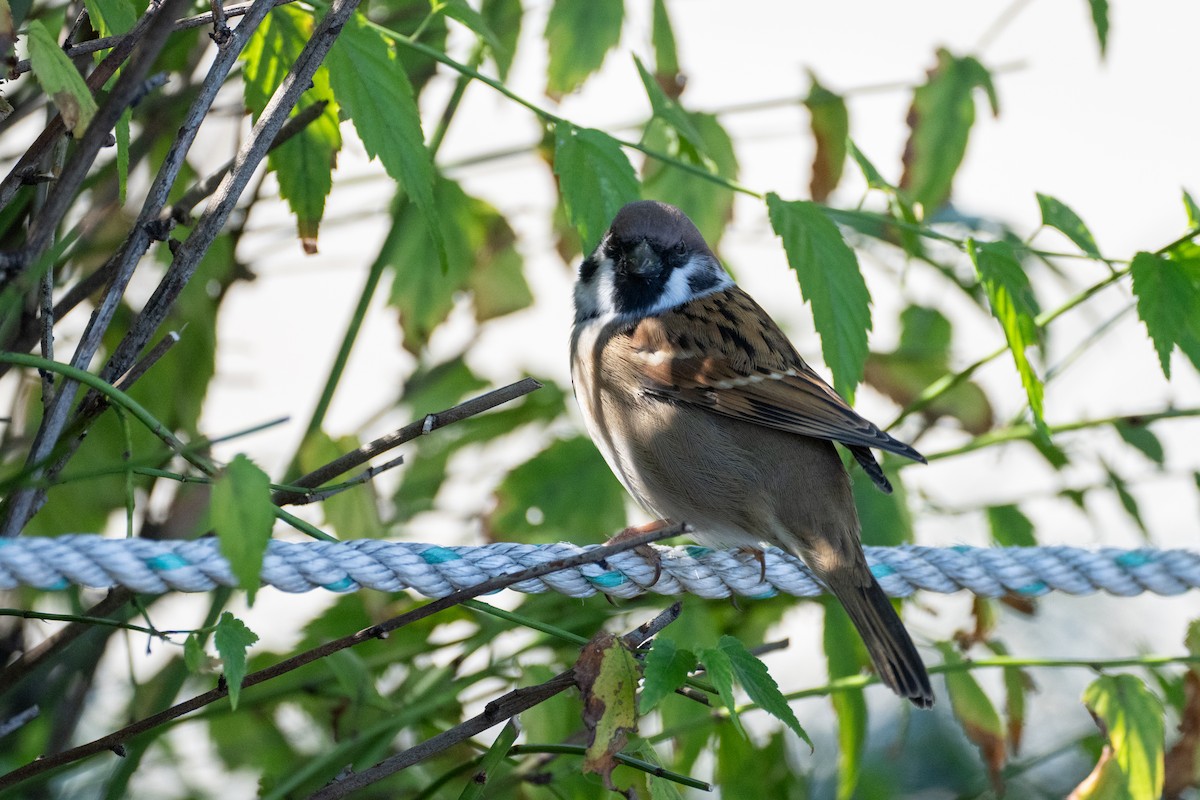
{"x": 60, "y": 79}
{"x": 977, "y": 716}
{"x": 830, "y": 122}
{"x": 607, "y": 675}
{"x": 1131, "y": 718}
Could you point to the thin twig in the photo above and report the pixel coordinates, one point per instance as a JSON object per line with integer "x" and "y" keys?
{"x": 105, "y": 42}
{"x": 495, "y": 712}
{"x": 428, "y": 424}
{"x": 23, "y": 503}
{"x": 147, "y": 361}
{"x": 323, "y": 494}
{"x": 120, "y": 737}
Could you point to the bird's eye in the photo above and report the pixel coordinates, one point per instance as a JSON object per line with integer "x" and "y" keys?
{"x": 680, "y": 248}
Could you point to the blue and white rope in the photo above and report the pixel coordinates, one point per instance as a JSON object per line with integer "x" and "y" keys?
{"x": 156, "y": 567}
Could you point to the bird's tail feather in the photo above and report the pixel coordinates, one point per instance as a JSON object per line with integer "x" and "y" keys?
{"x": 896, "y": 659}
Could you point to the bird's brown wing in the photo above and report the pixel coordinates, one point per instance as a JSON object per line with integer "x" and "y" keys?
{"x": 723, "y": 353}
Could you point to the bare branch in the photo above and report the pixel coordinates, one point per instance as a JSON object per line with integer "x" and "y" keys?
{"x": 495, "y": 712}
{"x": 430, "y": 423}
{"x": 120, "y": 737}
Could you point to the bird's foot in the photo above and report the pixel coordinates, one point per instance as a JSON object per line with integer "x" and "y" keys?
{"x": 760, "y": 556}
{"x": 644, "y": 550}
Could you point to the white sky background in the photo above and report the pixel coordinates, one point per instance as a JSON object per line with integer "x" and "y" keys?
{"x": 1114, "y": 140}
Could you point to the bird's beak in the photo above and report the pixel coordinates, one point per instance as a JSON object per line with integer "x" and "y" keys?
{"x": 643, "y": 261}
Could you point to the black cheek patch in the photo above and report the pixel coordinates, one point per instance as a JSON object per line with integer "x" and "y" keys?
{"x": 587, "y": 269}
{"x": 702, "y": 281}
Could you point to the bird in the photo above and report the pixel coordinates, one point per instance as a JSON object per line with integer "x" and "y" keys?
{"x": 707, "y": 415}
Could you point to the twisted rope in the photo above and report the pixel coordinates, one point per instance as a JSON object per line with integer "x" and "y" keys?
{"x": 156, "y": 567}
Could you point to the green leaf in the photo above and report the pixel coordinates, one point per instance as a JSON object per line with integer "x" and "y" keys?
{"x": 662, "y": 39}
{"x": 942, "y": 112}
{"x": 1099, "y": 10}
{"x": 830, "y": 123}
{"x": 1128, "y": 501}
{"x": 193, "y": 653}
{"x": 886, "y": 519}
{"x": 57, "y": 75}
{"x": 473, "y": 20}
{"x": 670, "y": 112}
{"x": 595, "y": 178}
{"x": 1010, "y": 528}
{"x": 564, "y": 492}
{"x": 111, "y": 17}
{"x": 1193, "y": 210}
{"x": 580, "y": 36}
{"x": 1133, "y": 724}
{"x": 353, "y": 513}
{"x": 420, "y": 290}
{"x": 665, "y": 669}
{"x": 719, "y": 671}
{"x": 707, "y": 205}
{"x": 492, "y": 762}
{"x": 242, "y": 515}
{"x": 846, "y": 656}
{"x": 760, "y": 687}
{"x": 121, "y": 134}
{"x": 975, "y": 712}
{"x": 437, "y": 388}
{"x": 830, "y": 282}
{"x": 1057, "y": 215}
{"x": 497, "y": 283}
{"x": 1166, "y": 298}
{"x": 1142, "y": 438}
{"x": 874, "y": 178}
{"x": 232, "y": 638}
{"x": 373, "y": 88}
{"x": 1014, "y": 305}
{"x": 303, "y": 164}
{"x": 503, "y": 17}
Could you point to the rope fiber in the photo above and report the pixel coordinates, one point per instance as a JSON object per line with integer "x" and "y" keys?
{"x": 156, "y": 567}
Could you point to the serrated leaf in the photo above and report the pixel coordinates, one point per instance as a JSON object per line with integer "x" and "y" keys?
{"x": 572, "y": 489}
{"x": 977, "y": 716}
{"x": 1133, "y": 725}
{"x": 759, "y": 686}
{"x": 664, "y": 670}
{"x": 830, "y": 282}
{"x": 1099, "y": 10}
{"x": 241, "y": 514}
{"x": 473, "y": 20}
{"x": 940, "y": 119}
{"x": 304, "y": 163}
{"x": 667, "y": 110}
{"x": 707, "y": 205}
{"x": 1009, "y": 527}
{"x": 1057, "y": 215}
{"x": 1013, "y": 304}
{"x": 232, "y": 638}
{"x": 662, "y": 38}
{"x": 846, "y": 656}
{"x": 1166, "y": 298}
{"x": 373, "y": 88}
{"x": 594, "y": 177}
{"x": 1142, "y": 438}
{"x": 580, "y": 36}
{"x": 59, "y": 78}
{"x": 607, "y": 675}
{"x": 719, "y": 672}
{"x": 830, "y": 122}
